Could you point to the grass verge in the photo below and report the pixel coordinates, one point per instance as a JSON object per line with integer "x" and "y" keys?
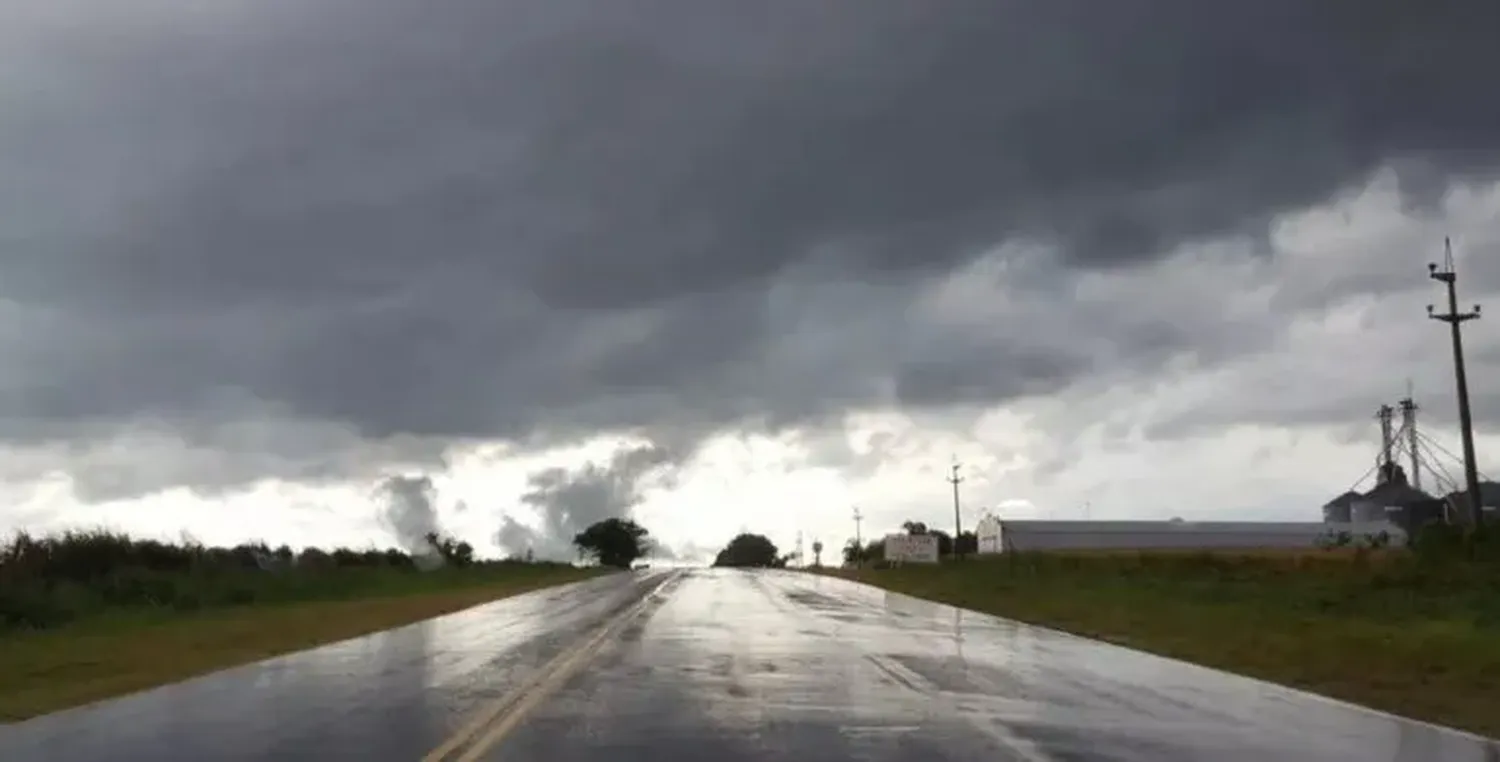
{"x": 132, "y": 649}
{"x": 1384, "y": 630}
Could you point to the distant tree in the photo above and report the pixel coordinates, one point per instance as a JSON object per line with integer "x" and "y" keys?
{"x": 871, "y": 552}
{"x": 944, "y": 541}
{"x": 346, "y": 558}
{"x": 817, "y": 553}
{"x": 314, "y": 558}
{"x": 453, "y": 552}
{"x": 613, "y": 542}
{"x": 750, "y": 550}
{"x": 968, "y": 543}
{"x": 914, "y": 527}
{"x": 851, "y": 552}
{"x": 461, "y": 554}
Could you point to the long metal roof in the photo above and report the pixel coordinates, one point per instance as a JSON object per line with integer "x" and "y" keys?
{"x": 1187, "y": 527}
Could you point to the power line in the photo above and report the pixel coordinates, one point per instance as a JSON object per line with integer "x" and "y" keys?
{"x": 1446, "y": 483}
{"x": 1355, "y": 486}
{"x": 1444, "y": 477}
{"x": 1434, "y": 444}
{"x": 1422, "y": 442}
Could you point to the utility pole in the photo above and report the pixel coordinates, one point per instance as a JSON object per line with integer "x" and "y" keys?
{"x": 859, "y": 541}
{"x": 1448, "y": 276}
{"x": 958, "y": 525}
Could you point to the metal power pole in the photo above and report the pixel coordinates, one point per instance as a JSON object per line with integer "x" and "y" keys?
{"x": 1409, "y": 423}
{"x": 1387, "y": 440}
{"x": 1455, "y": 320}
{"x": 958, "y": 525}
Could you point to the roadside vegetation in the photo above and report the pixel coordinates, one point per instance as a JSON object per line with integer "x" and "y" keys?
{"x": 751, "y": 551}
{"x": 88, "y": 615}
{"x": 1415, "y": 631}
{"x": 615, "y": 543}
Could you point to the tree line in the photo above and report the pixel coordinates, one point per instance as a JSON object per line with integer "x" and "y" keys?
{"x": 50, "y": 581}
{"x": 619, "y": 543}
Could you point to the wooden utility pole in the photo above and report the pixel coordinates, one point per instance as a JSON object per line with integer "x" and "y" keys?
{"x": 958, "y": 524}
{"x": 859, "y": 540}
{"x": 1448, "y": 276}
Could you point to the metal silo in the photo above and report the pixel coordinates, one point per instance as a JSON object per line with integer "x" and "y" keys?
{"x": 1366, "y": 511}
{"x": 1337, "y": 510}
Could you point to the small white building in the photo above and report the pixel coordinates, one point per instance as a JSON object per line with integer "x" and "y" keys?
{"x": 1014, "y": 535}
{"x": 987, "y": 534}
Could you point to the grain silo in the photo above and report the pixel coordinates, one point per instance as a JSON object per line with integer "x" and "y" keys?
{"x": 1339, "y": 509}
{"x": 1392, "y": 499}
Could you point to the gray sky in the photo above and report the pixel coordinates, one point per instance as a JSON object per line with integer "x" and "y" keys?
{"x": 315, "y": 242}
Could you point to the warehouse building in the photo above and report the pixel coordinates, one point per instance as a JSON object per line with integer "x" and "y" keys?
{"x": 997, "y": 535}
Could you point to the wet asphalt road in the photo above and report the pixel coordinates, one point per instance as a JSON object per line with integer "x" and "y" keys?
{"x": 727, "y": 665}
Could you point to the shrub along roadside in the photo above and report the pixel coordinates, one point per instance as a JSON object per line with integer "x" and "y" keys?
{"x": 74, "y": 577}
{"x": 1413, "y": 633}
{"x": 109, "y": 656}
{"x": 90, "y": 615}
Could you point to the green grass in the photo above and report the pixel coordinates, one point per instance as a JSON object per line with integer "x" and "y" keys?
{"x": 43, "y": 671}
{"x": 87, "y": 616}
{"x": 1386, "y": 630}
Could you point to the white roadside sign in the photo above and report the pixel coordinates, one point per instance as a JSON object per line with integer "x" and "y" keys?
{"x": 911, "y": 548}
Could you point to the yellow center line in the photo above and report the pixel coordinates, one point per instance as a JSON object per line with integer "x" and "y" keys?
{"x": 505, "y": 713}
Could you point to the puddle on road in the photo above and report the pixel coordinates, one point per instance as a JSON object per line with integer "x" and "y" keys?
{"x": 816, "y": 600}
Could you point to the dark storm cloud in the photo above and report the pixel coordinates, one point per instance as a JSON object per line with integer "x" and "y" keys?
{"x": 501, "y": 218}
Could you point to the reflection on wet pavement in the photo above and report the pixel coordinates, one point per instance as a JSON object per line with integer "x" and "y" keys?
{"x": 393, "y": 695}
{"x": 733, "y": 665}
{"x": 782, "y": 665}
